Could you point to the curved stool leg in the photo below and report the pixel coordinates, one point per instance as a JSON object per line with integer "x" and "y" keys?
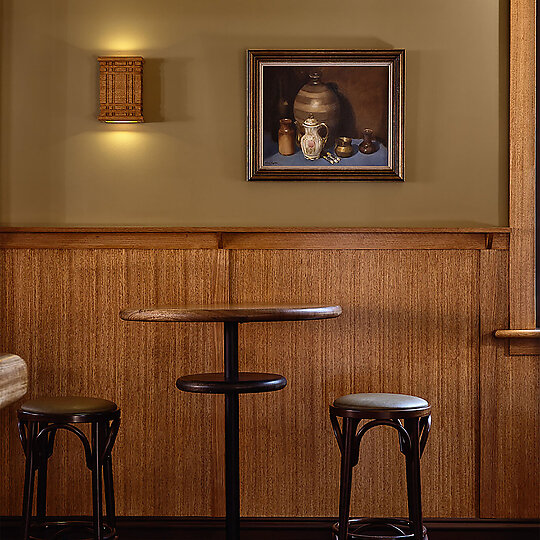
{"x": 349, "y": 458}
{"x": 109, "y": 492}
{"x": 412, "y": 460}
{"x": 97, "y": 474}
{"x": 30, "y": 429}
{"x": 111, "y": 432}
{"x": 45, "y": 452}
{"x": 42, "y": 477}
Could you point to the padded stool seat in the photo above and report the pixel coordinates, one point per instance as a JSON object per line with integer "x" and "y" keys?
{"x": 70, "y": 405}
{"x": 216, "y": 383}
{"x": 383, "y": 405}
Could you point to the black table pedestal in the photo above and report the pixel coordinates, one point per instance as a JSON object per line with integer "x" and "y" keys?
{"x": 232, "y": 428}
{"x": 231, "y": 383}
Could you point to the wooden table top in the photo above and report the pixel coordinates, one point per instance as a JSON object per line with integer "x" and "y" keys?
{"x": 232, "y": 313}
{"x": 13, "y": 378}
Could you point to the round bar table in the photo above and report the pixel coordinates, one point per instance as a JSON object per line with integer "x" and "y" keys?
{"x": 232, "y": 382}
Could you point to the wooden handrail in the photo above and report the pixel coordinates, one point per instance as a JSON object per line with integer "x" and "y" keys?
{"x": 513, "y": 334}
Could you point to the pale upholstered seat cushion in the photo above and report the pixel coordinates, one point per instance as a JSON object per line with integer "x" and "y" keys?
{"x": 383, "y": 402}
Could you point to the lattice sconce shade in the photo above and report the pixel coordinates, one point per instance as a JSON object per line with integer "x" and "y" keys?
{"x": 120, "y": 89}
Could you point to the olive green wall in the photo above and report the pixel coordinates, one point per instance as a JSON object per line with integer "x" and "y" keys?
{"x": 185, "y": 166}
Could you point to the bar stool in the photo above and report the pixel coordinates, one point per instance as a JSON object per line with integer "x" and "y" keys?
{"x": 411, "y": 417}
{"x": 39, "y": 420}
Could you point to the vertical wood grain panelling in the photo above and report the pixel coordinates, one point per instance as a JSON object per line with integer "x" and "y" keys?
{"x": 409, "y": 325}
{"x": 60, "y": 313}
{"x": 510, "y": 411}
{"x": 171, "y": 435}
{"x": 414, "y": 321}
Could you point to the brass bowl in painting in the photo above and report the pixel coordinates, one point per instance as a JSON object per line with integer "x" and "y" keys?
{"x": 344, "y": 147}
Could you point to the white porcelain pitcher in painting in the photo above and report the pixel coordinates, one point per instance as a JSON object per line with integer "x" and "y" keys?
{"x": 311, "y": 142}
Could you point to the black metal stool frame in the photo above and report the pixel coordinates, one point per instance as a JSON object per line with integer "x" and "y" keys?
{"x": 37, "y": 432}
{"x": 413, "y": 428}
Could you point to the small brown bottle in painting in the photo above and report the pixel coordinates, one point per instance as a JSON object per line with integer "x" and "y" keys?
{"x": 368, "y": 146}
{"x": 286, "y": 137}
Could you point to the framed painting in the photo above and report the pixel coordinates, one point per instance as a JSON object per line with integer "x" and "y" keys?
{"x": 325, "y": 114}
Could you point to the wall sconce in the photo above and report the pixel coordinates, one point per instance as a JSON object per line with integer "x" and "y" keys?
{"x": 120, "y": 89}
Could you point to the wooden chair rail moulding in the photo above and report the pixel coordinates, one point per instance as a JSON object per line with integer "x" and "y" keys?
{"x": 461, "y": 240}
{"x": 254, "y": 238}
{"x": 148, "y": 229}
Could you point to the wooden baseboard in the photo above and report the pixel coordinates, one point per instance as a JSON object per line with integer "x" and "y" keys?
{"x": 169, "y": 528}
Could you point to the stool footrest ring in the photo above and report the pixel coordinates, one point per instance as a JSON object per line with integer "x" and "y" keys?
{"x": 74, "y": 530}
{"x": 378, "y": 529}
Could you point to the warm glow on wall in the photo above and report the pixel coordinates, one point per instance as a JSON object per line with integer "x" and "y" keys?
{"x": 121, "y": 141}
{"x": 120, "y": 89}
{"x": 120, "y": 42}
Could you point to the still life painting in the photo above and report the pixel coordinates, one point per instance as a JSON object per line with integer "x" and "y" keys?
{"x": 325, "y": 114}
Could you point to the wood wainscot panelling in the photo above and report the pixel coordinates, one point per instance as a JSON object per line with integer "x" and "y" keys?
{"x": 509, "y": 407}
{"x": 417, "y": 319}
{"x": 59, "y": 311}
{"x": 409, "y": 325}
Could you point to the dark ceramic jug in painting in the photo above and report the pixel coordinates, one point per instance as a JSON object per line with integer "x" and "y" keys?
{"x": 368, "y": 145}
